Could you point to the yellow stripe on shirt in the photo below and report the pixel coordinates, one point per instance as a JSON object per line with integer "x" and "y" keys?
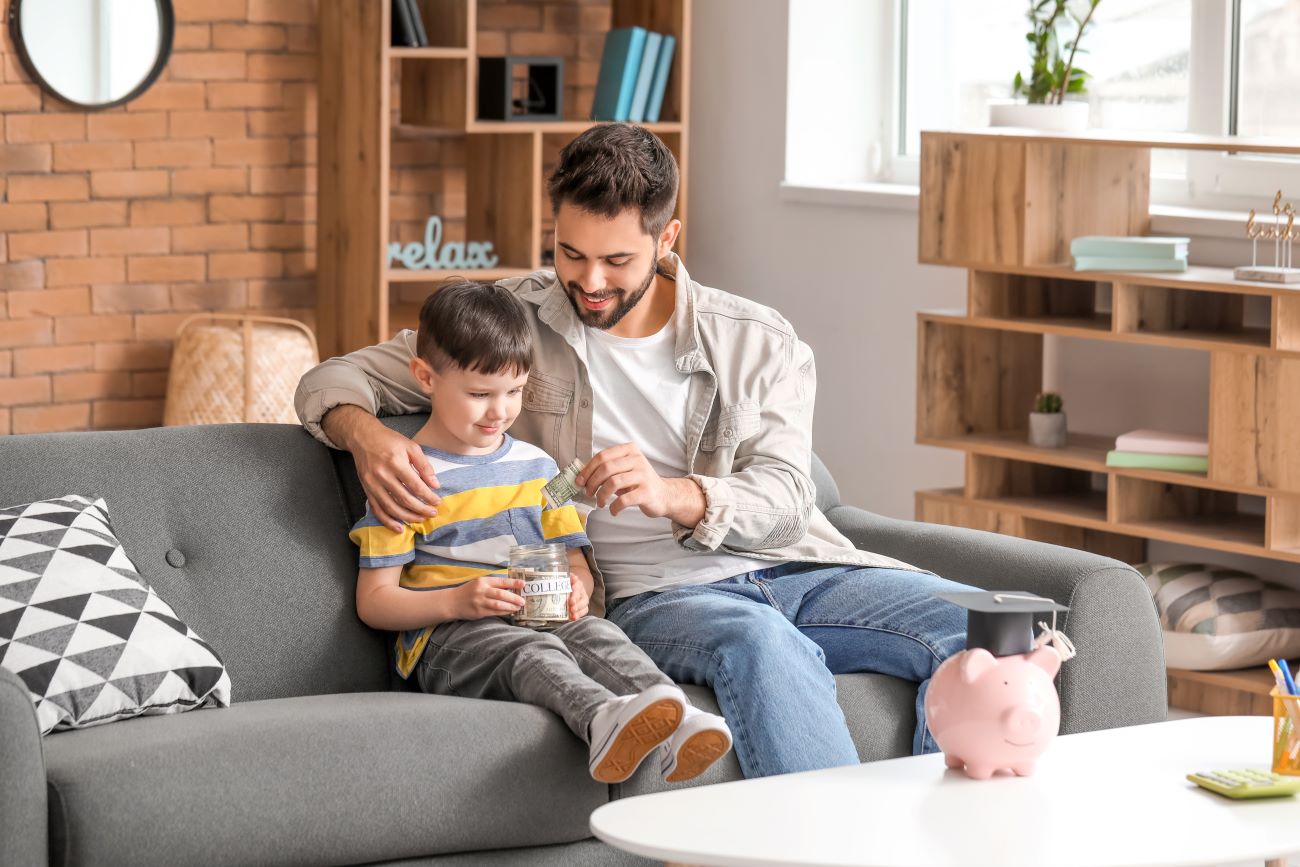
{"x": 380, "y": 541}
{"x": 560, "y": 522}
{"x": 482, "y": 503}
{"x": 441, "y": 575}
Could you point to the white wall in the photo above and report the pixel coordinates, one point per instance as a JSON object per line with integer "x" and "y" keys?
{"x": 848, "y": 279}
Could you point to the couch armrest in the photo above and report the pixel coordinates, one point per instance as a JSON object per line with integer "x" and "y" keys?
{"x": 23, "y": 812}
{"x": 1118, "y": 676}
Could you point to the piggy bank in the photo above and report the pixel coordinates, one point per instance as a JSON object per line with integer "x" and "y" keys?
{"x": 989, "y": 713}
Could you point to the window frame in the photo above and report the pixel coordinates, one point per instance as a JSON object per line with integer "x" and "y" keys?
{"x": 1212, "y": 180}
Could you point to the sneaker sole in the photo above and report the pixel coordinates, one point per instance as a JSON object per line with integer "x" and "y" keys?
{"x": 697, "y": 753}
{"x": 641, "y": 734}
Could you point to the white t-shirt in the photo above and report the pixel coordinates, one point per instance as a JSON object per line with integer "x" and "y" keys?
{"x": 641, "y": 398}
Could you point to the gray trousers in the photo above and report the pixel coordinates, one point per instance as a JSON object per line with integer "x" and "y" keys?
{"x": 571, "y": 670}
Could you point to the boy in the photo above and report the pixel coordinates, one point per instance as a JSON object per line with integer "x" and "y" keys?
{"x": 443, "y": 582}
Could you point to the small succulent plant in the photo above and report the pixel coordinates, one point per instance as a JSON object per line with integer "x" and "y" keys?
{"x": 1048, "y": 401}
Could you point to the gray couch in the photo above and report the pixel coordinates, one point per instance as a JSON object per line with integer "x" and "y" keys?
{"x": 320, "y": 760}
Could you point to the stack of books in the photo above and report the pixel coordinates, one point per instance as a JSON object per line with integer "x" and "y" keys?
{"x": 1160, "y": 450}
{"x": 633, "y": 75}
{"x": 1120, "y": 253}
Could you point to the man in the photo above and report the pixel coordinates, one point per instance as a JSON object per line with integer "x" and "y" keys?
{"x": 693, "y": 411}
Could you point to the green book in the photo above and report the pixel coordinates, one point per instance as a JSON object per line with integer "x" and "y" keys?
{"x": 1133, "y": 247}
{"x": 1145, "y": 461}
{"x": 1135, "y": 263}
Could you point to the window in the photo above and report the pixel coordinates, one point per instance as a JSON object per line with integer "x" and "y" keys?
{"x": 1206, "y": 66}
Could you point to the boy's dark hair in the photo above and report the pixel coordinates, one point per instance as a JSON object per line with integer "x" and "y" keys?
{"x": 616, "y": 166}
{"x": 475, "y": 326}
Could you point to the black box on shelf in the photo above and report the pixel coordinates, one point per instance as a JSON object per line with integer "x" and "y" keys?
{"x": 520, "y": 88}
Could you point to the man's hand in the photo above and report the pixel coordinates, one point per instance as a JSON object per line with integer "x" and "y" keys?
{"x": 489, "y": 596}
{"x": 579, "y": 601}
{"x": 621, "y": 477}
{"x": 393, "y": 470}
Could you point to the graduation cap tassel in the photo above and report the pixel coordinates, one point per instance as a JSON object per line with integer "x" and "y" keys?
{"x": 1060, "y": 643}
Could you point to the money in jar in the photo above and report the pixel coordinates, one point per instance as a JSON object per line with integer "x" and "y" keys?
{"x": 544, "y": 569}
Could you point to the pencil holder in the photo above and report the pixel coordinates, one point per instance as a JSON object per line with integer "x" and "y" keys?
{"x": 1286, "y": 734}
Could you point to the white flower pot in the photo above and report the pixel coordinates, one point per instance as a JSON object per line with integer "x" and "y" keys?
{"x": 1047, "y": 429}
{"x": 1068, "y": 116}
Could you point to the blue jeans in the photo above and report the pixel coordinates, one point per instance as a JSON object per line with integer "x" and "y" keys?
{"x": 769, "y": 643}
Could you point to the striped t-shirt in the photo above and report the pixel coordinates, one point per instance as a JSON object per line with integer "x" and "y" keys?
{"x": 489, "y": 503}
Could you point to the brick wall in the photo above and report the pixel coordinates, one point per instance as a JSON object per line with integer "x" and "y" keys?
{"x": 200, "y": 195}
{"x": 116, "y": 225}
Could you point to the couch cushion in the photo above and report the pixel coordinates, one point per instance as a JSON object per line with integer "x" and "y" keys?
{"x": 241, "y": 528}
{"x": 344, "y": 779}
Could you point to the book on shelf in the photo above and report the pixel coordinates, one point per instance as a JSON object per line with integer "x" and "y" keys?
{"x": 660, "y": 84}
{"x": 1127, "y": 263}
{"x": 404, "y": 34}
{"x": 1124, "y": 247}
{"x": 645, "y": 77}
{"x": 620, "y": 63}
{"x": 1147, "y": 461}
{"x": 1161, "y": 442}
{"x": 421, "y": 36}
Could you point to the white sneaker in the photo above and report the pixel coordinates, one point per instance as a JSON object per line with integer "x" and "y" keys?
{"x": 625, "y": 730}
{"x": 699, "y": 741}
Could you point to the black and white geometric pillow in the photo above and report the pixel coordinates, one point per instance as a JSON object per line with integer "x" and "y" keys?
{"x": 93, "y": 642}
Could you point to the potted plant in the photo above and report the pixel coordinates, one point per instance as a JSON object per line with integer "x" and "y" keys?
{"x": 1052, "y": 73}
{"x": 1047, "y": 421}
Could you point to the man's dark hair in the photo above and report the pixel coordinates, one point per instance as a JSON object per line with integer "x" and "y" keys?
{"x": 475, "y": 326}
{"x": 616, "y": 166}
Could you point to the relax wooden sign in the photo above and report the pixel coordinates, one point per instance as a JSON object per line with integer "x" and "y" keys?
{"x": 432, "y": 253}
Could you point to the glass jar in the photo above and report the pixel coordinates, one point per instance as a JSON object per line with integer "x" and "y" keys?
{"x": 544, "y": 569}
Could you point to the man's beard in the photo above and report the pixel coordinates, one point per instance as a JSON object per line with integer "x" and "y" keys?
{"x": 611, "y": 316}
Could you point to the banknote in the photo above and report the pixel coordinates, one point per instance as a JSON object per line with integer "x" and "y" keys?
{"x": 563, "y": 487}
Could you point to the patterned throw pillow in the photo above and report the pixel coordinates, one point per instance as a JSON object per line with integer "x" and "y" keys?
{"x": 92, "y": 641}
{"x": 1216, "y": 618}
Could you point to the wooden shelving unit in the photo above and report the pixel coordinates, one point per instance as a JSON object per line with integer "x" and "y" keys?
{"x": 1004, "y": 205}
{"x": 373, "y": 94}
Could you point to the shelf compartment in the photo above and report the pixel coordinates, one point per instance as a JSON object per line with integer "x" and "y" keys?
{"x": 992, "y": 202}
{"x": 950, "y": 507}
{"x": 1047, "y": 300}
{"x": 447, "y": 23}
{"x": 1026, "y": 486}
{"x": 1254, "y": 416}
{"x": 1283, "y": 524}
{"x": 974, "y": 380}
{"x": 434, "y": 92}
{"x": 1216, "y": 317}
{"x": 1180, "y": 513}
{"x": 1286, "y": 323}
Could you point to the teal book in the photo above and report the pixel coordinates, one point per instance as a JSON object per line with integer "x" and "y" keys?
{"x": 660, "y": 85}
{"x": 1145, "y": 461}
{"x": 1127, "y": 263}
{"x": 1130, "y": 247}
{"x": 619, "y": 64}
{"x": 645, "y": 77}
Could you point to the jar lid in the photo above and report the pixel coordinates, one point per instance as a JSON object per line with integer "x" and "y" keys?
{"x": 551, "y": 548}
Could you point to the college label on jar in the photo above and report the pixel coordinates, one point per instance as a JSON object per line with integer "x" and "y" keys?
{"x": 546, "y": 583}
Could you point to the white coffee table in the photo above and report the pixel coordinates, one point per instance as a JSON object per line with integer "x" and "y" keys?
{"x": 1116, "y": 798}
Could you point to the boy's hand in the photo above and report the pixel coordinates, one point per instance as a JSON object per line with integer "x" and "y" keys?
{"x": 489, "y": 596}
{"x": 397, "y": 478}
{"x": 579, "y": 601}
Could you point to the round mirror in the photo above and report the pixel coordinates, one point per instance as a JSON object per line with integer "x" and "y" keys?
{"x": 93, "y": 53}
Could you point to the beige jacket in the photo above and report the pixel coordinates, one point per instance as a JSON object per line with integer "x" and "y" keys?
{"x": 748, "y": 421}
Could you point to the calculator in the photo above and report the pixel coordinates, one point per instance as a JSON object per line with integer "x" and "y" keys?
{"x": 1246, "y": 783}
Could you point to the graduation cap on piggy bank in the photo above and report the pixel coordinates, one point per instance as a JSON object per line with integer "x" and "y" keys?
{"x": 993, "y": 707}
